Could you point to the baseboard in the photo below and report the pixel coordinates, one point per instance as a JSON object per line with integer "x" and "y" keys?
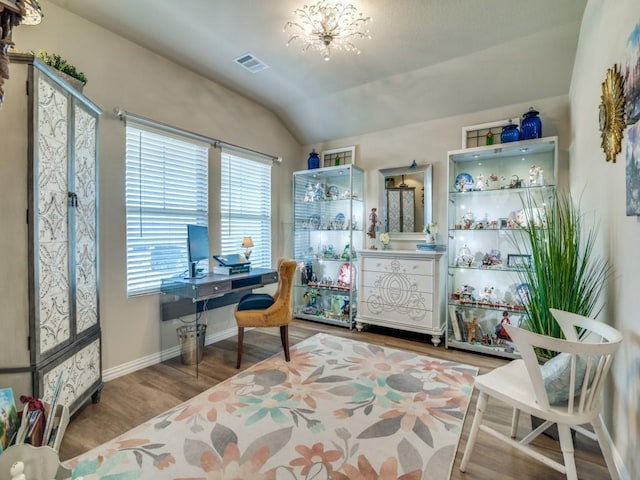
{"x": 143, "y": 362}
{"x": 621, "y": 468}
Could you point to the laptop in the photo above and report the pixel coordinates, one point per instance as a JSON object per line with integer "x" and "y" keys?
{"x": 232, "y": 260}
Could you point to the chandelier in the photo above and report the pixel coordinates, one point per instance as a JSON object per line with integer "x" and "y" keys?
{"x": 31, "y": 12}
{"x": 324, "y": 26}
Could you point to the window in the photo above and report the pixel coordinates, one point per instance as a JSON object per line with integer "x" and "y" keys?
{"x": 245, "y": 204}
{"x": 166, "y": 189}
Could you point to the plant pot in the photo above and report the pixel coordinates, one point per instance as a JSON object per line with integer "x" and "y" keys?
{"x": 72, "y": 81}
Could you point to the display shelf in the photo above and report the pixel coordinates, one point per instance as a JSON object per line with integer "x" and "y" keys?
{"x": 328, "y": 229}
{"x": 488, "y": 187}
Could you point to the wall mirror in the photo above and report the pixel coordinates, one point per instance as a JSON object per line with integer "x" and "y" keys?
{"x": 406, "y": 199}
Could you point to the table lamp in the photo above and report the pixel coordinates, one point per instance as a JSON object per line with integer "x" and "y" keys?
{"x": 247, "y": 243}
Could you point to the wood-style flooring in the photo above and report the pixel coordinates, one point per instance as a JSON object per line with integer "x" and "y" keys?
{"x": 134, "y": 398}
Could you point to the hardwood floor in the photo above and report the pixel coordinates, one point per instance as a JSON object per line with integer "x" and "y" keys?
{"x": 134, "y": 398}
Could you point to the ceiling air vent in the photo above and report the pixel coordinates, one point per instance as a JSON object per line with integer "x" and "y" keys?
{"x": 251, "y": 63}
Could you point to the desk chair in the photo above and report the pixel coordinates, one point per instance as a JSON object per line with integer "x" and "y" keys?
{"x": 263, "y": 310}
{"x": 581, "y": 367}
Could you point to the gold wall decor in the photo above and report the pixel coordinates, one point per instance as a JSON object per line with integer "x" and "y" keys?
{"x": 612, "y": 113}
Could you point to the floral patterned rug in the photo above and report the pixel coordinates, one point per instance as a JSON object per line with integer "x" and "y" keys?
{"x": 340, "y": 410}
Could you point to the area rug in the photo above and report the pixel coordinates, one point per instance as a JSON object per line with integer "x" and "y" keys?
{"x": 340, "y": 410}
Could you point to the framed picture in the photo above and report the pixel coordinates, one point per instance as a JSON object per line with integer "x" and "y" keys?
{"x": 518, "y": 261}
{"x": 632, "y": 172}
{"x": 338, "y": 156}
{"x": 632, "y": 77}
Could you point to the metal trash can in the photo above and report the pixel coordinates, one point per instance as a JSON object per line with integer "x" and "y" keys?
{"x": 191, "y": 341}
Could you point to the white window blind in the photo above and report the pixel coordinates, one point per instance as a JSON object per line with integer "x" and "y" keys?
{"x": 166, "y": 189}
{"x": 245, "y": 204}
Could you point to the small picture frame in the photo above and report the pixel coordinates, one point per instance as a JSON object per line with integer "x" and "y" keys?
{"x": 518, "y": 261}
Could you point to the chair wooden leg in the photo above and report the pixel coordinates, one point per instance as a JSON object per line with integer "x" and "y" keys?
{"x": 605, "y": 445}
{"x": 473, "y": 434}
{"x": 284, "y": 337}
{"x": 514, "y": 422}
{"x": 566, "y": 444}
{"x": 240, "y": 340}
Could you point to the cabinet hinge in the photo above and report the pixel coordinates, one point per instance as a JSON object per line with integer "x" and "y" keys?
{"x": 29, "y": 342}
{"x": 27, "y": 86}
{"x": 27, "y": 216}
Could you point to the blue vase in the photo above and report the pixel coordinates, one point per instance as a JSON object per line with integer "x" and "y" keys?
{"x": 509, "y": 133}
{"x": 531, "y": 126}
{"x": 313, "y": 161}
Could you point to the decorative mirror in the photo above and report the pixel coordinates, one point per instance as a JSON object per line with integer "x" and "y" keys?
{"x": 405, "y": 199}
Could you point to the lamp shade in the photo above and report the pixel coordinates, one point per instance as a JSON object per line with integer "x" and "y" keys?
{"x": 247, "y": 242}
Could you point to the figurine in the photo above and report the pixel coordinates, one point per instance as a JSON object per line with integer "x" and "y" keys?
{"x": 373, "y": 222}
{"x": 487, "y": 295}
{"x": 500, "y": 331}
{"x": 17, "y": 471}
{"x": 471, "y": 333}
{"x": 480, "y": 182}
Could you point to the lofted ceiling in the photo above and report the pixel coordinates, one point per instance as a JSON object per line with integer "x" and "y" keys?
{"x": 427, "y": 59}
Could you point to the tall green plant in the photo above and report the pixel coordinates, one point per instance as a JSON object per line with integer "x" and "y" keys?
{"x": 564, "y": 273}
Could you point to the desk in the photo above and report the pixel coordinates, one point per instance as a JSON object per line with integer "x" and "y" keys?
{"x": 197, "y": 295}
{"x": 214, "y": 286}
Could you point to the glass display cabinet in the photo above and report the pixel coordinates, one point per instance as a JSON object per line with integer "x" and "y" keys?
{"x": 488, "y": 189}
{"x": 328, "y": 226}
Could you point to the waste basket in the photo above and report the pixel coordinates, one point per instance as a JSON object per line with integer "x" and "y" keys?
{"x": 191, "y": 340}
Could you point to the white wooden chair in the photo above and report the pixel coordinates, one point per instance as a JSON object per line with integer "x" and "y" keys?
{"x": 543, "y": 391}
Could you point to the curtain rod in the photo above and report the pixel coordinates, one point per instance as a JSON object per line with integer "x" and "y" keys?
{"x": 214, "y": 142}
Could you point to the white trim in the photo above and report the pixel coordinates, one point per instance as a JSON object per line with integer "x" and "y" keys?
{"x": 620, "y": 467}
{"x": 158, "y": 357}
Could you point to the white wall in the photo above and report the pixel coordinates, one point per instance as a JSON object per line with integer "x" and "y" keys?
{"x": 603, "y": 36}
{"x": 125, "y": 75}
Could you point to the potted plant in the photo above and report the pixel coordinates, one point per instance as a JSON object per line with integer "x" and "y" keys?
{"x": 564, "y": 273}
{"x": 69, "y": 72}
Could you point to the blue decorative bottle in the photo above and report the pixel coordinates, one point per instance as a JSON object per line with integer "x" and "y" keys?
{"x": 531, "y": 126}
{"x": 509, "y": 133}
{"x": 313, "y": 161}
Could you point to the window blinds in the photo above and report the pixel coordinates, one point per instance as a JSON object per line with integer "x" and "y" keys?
{"x": 166, "y": 189}
{"x": 245, "y": 204}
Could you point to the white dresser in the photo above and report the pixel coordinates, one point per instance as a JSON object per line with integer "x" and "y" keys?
{"x": 402, "y": 289}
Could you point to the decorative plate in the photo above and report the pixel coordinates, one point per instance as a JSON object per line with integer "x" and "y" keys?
{"x": 346, "y": 273}
{"x": 340, "y": 219}
{"x": 462, "y": 180}
{"x": 333, "y": 191}
{"x": 314, "y": 221}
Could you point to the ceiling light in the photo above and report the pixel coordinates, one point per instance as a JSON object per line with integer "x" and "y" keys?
{"x": 31, "y": 12}
{"x": 324, "y": 26}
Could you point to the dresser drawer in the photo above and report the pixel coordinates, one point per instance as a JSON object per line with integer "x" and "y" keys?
{"x": 421, "y": 267}
{"x": 395, "y": 280}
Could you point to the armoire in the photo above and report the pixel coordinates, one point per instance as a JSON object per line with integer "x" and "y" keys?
{"x": 49, "y": 328}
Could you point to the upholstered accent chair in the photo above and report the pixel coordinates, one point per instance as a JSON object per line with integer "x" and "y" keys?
{"x": 263, "y": 310}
